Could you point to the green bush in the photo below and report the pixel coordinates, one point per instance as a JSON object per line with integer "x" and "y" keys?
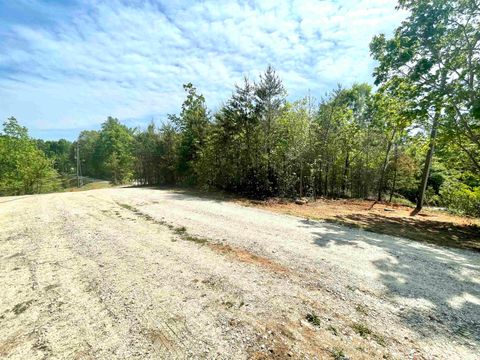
{"x": 461, "y": 198}
{"x": 24, "y": 169}
{"x": 400, "y": 200}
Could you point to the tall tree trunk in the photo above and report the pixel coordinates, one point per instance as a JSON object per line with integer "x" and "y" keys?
{"x": 319, "y": 181}
{"x": 333, "y": 179}
{"x": 428, "y": 162}
{"x": 392, "y": 190}
{"x": 345, "y": 173}
{"x": 363, "y": 186}
{"x": 325, "y": 183}
{"x": 384, "y": 169}
{"x": 301, "y": 179}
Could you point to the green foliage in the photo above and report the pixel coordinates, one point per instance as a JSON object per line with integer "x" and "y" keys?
{"x": 352, "y": 143}
{"x": 89, "y": 158}
{"x": 156, "y": 153}
{"x": 240, "y": 144}
{"x": 114, "y": 151}
{"x": 461, "y": 198}
{"x": 192, "y": 125}
{"x": 24, "y": 169}
{"x": 435, "y": 52}
{"x": 60, "y": 152}
{"x": 402, "y": 201}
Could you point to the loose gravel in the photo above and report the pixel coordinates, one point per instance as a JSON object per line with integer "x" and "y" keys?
{"x": 135, "y": 273}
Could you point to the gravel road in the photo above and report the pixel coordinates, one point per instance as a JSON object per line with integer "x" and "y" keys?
{"x": 136, "y": 273}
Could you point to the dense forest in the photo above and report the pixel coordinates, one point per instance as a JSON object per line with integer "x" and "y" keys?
{"x": 414, "y": 137}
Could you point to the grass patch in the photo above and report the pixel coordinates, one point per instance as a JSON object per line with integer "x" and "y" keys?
{"x": 180, "y": 230}
{"x": 138, "y": 212}
{"x": 147, "y": 217}
{"x": 464, "y": 236}
{"x": 333, "y": 330}
{"x": 402, "y": 201}
{"x": 313, "y": 319}
{"x": 21, "y": 307}
{"x": 195, "y": 239}
{"x": 90, "y": 186}
{"x": 365, "y": 332}
{"x": 379, "y": 339}
{"x": 361, "y": 330}
{"x": 338, "y": 354}
{"x": 128, "y": 207}
{"x": 361, "y": 309}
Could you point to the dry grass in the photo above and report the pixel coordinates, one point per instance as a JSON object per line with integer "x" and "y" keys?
{"x": 91, "y": 186}
{"x": 436, "y": 227}
{"x": 7, "y": 345}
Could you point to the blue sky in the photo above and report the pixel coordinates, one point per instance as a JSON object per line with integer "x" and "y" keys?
{"x": 67, "y": 65}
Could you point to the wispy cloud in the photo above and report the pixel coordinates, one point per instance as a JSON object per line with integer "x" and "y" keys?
{"x": 130, "y": 59}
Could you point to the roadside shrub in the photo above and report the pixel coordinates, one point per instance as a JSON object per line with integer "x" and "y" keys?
{"x": 461, "y": 198}
{"x": 400, "y": 200}
{"x": 431, "y": 198}
{"x": 24, "y": 169}
{"x": 408, "y": 193}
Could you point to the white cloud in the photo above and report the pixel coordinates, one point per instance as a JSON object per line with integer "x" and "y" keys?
{"x": 130, "y": 60}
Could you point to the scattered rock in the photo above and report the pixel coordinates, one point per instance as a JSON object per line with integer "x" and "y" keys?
{"x": 301, "y": 201}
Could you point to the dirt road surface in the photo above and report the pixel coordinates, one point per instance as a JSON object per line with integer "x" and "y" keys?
{"x": 135, "y": 273}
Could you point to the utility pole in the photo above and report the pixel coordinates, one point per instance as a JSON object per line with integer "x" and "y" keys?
{"x": 79, "y": 170}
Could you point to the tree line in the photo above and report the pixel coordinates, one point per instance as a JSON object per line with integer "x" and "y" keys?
{"x": 414, "y": 138}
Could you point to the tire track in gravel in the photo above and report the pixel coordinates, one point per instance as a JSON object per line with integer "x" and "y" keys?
{"x": 174, "y": 330}
{"x": 143, "y": 217}
{"x": 137, "y": 320}
{"x": 400, "y": 278}
{"x": 44, "y": 311}
{"x": 171, "y": 326}
{"x": 117, "y": 281}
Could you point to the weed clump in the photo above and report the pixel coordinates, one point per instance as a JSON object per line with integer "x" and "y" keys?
{"x": 21, "y": 307}
{"x": 365, "y": 332}
{"x": 333, "y": 330}
{"x": 180, "y": 230}
{"x": 338, "y": 354}
{"x": 128, "y": 207}
{"x": 195, "y": 239}
{"x": 313, "y": 319}
{"x": 361, "y": 330}
{"x": 362, "y": 309}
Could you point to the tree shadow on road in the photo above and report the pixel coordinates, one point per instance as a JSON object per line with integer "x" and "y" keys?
{"x": 440, "y": 287}
{"x": 424, "y": 230}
